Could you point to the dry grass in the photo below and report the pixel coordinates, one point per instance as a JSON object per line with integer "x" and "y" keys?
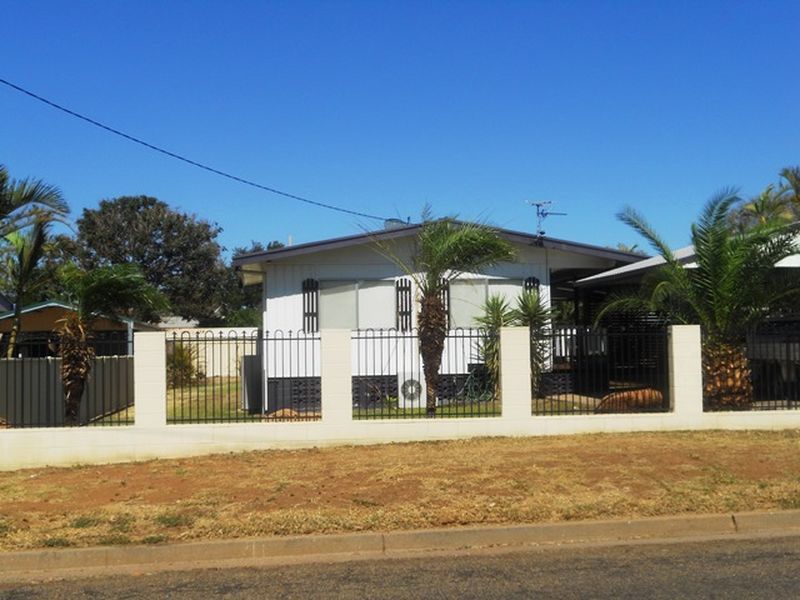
{"x": 400, "y": 486}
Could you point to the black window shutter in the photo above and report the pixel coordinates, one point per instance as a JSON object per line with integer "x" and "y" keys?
{"x": 310, "y": 305}
{"x": 405, "y": 304}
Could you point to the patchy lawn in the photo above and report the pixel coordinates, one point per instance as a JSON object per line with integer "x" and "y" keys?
{"x": 400, "y": 486}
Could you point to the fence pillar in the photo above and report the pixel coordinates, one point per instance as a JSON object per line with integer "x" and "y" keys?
{"x": 336, "y": 370}
{"x": 515, "y": 372}
{"x": 150, "y": 379}
{"x": 685, "y": 370}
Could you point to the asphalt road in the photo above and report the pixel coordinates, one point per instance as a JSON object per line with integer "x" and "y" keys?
{"x": 766, "y": 568}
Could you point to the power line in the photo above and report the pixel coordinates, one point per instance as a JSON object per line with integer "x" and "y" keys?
{"x": 183, "y": 158}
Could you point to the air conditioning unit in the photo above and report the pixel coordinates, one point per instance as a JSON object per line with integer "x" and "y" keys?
{"x": 410, "y": 378}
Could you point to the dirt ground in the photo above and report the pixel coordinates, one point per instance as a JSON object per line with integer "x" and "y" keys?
{"x": 400, "y": 486}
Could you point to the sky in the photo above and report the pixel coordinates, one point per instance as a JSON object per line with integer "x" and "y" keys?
{"x": 382, "y": 107}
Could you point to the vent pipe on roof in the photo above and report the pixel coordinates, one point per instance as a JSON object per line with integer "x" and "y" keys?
{"x": 390, "y": 224}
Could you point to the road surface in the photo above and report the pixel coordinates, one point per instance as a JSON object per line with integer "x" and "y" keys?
{"x": 765, "y": 568}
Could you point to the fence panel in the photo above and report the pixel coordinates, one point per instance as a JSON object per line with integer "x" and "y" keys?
{"x": 389, "y": 380}
{"x": 235, "y": 376}
{"x": 578, "y": 370}
{"x": 32, "y": 394}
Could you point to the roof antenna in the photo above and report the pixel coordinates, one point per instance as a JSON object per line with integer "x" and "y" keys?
{"x": 542, "y": 212}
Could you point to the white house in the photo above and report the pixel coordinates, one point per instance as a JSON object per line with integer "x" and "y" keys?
{"x": 351, "y": 283}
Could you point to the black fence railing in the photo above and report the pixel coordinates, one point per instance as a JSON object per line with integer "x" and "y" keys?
{"x": 767, "y": 379}
{"x": 32, "y": 392}
{"x": 578, "y": 370}
{"x": 389, "y": 380}
{"x": 219, "y": 376}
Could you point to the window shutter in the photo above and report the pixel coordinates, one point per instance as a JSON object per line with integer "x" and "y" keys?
{"x": 310, "y": 305}
{"x": 532, "y": 284}
{"x": 405, "y": 304}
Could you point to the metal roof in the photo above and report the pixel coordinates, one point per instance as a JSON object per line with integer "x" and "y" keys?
{"x": 56, "y": 304}
{"x": 410, "y": 230}
{"x": 685, "y": 254}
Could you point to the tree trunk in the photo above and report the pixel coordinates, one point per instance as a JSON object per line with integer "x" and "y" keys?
{"x": 14, "y": 333}
{"x": 432, "y": 333}
{"x": 727, "y": 384}
{"x": 76, "y": 363}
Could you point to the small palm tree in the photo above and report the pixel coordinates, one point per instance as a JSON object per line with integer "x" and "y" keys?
{"x": 445, "y": 249}
{"x": 108, "y": 291}
{"x": 733, "y": 287}
{"x": 23, "y": 201}
{"x": 27, "y": 250}
{"x": 531, "y": 312}
{"x": 496, "y": 314}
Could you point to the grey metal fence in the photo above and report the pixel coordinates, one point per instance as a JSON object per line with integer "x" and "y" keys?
{"x": 389, "y": 380}
{"x": 32, "y": 394}
{"x": 581, "y": 370}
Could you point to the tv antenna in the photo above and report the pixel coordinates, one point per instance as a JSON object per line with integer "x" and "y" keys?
{"x": 542, "y": 212}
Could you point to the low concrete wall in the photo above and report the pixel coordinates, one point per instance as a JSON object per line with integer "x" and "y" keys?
{"x": 151, "y": 438}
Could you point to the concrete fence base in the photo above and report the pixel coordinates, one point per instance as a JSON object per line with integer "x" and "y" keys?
{"x": 151, "y": 438}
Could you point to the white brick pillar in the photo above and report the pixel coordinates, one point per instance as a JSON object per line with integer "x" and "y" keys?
{"x": 150, "y": 379}
{"x": 515, "y": 372}
{"x": 336, "y": 371}
{"x": 685, "y": 370}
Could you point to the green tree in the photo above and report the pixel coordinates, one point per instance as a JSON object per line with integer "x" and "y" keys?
{"x": 23, "y": 273}
{"x": 108, "y": 291}
{"x": 733, "y": 287}
{"x": 23, "y": 201}
{"x": 177, "y": 252}
{"x": 444, "y": 250}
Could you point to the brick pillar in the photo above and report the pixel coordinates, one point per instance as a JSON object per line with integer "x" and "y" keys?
{"x": 336, "y": 371}
{"x": 515, "y": 372}
{"x": 150, "y": 379}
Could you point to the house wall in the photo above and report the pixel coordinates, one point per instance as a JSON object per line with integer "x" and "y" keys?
{"x": 151, "y": 438}
{"x": 283, "y": 279}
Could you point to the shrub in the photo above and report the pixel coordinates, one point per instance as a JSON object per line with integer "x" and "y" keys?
{"x": 182, "y": 366}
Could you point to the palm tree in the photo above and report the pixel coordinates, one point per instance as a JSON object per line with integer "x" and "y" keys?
{"x": 22, "y": 202}
{"x": 445, "y": 249}
{"x": 733, "y": 287}
{"x": 107, "y": 291}
{"x": 497, "y": 313}
{"x": 27, "y": 250}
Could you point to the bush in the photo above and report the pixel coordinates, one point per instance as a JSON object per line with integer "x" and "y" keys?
{"x": 182, "y": 367}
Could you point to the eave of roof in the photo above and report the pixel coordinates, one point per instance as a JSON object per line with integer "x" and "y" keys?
{"x": 243, "y": 260}
{"x": 685, "y": 254}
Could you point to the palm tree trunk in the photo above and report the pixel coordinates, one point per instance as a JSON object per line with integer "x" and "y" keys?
{"x": 727, "y": 384}
{"x": 14, "y": 333}
{"x": 76, "y": 364}
{"x": 432, "y": 333}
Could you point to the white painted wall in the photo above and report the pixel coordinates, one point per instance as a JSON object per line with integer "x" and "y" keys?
{"x": 151, "y": 438}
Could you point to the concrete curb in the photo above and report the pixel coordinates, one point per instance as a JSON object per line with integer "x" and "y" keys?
{"x": 398, "y": 542}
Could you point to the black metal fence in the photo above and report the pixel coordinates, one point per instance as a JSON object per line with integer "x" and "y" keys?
{"x": 219, "y": 376}
{"x": 773, "y": 353}
{"x": 578, "y": 370}
{"x": 389, "y": 380}
{"x": 32, "y": 393}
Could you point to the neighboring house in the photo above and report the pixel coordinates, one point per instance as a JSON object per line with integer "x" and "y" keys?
{"x": 347, "y": 283}
{"x": 41, "y": 320}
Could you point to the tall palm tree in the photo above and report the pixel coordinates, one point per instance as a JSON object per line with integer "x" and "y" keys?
{"x": 733, "y": 287}
{"x": 27, "y": 250}
{"x": 108, "y": 291}
{"x": 23, "y": 200}
{"x": 445, "y": 249}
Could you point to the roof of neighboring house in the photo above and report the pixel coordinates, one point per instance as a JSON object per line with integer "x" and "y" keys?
{"x": 633, "y": 271}
{"x": 56, "y": 304}
{"x": 277, "y": 254}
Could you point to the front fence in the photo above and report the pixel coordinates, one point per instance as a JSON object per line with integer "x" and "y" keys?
{"x": 32, "y": 393}
{"x": 388, "y": 379}
{"x": 235, "y": 376}
{"x": 579, "y": 370}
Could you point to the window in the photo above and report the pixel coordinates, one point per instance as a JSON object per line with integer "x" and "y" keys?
{"x": 532, "y": 284}
{"x": 310, "y": 305}
{"x": 337, "y": 305}
{"x": 375, "y": 308}
{"x": 404, "y": 303}
{"x": 467, "y": 297}
{"x": 357, "y": 305}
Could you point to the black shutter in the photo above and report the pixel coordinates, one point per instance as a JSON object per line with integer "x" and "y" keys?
{"x": 531, "y": 284}
{"x": 310, "y": 305}
{"x": 445, "y": 296}
{"x": 405, "y": 304}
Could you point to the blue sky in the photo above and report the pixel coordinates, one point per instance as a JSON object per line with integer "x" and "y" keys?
{"x": 382, "y": 107}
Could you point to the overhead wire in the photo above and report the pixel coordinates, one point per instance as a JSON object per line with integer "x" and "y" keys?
{"x": 185, "y": 159}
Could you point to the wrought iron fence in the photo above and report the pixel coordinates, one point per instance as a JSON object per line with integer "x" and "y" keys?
{"x": 235, "y": 376}
{"x": 770, "y": 379}
{"x": 580, "y": 370}
{"x": 389, "y": 379}
{"x": 32, "y": 393}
